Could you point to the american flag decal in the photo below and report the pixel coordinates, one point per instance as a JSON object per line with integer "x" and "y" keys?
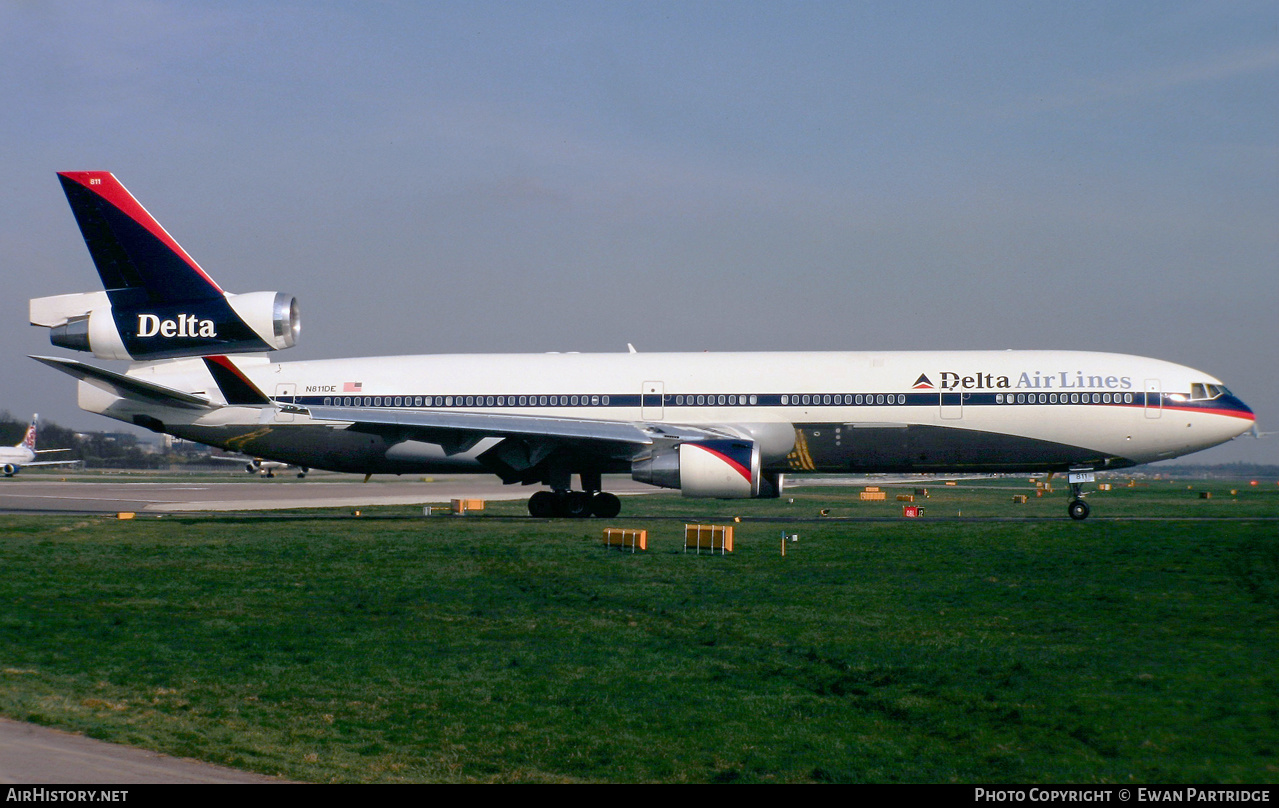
{"x": 352, "y": 387}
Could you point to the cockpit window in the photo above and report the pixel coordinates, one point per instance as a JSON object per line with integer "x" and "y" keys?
{"x": 1201, "y": 391}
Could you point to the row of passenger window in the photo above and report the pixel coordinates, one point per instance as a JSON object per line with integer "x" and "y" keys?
{"x": 705, "y": 400}
{"x": 467, "y": 401}
{"x": 596, "y": 401}
{"x": 837, "y": 399}
{"x": 1063, "y": 398}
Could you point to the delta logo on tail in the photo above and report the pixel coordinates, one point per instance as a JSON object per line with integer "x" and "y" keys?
{"x": 923, "y": 383}
{"x": 187, "y": 325}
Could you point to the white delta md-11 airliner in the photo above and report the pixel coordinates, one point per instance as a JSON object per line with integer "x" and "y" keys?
{"x": 725, "y": 425}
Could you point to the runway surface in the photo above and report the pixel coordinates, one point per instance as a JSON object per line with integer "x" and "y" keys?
{"x": 43, "y": 493}
{"x": 36, "y": 755}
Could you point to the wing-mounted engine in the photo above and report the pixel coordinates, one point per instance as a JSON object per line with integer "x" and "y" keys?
{"x": 158, "y": 303}
{"x": 249, "y": 323}
{"x": 721, "y": 469}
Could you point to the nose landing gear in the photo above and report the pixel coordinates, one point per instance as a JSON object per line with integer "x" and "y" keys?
{"x": 1078, "y": 509}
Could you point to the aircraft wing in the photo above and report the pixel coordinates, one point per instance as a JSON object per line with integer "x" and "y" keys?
{"x": 460, "y": 430}
{"x": 127, "y": 386}
{"x": 53, "y": 463}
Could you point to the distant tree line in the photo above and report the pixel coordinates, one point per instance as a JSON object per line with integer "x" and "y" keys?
{"x": 1225, "y": 471}
{"x": 102, "y": 450}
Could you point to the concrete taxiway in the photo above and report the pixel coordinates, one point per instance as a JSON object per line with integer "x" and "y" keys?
{"x": 42, "y": 493}
{"x": 35, "y": 755}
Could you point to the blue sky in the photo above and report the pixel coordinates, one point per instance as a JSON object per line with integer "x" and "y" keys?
{"x": 458, "y": 177}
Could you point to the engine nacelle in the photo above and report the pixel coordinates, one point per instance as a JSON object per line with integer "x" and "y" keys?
{"x": 723, "y": 469}
{"x": 249, "y": 323}
{"x": 272, "y": 315}
{"x": 10, "y": 469}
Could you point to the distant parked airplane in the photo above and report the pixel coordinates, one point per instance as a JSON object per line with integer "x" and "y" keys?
{"x": 256, "y": 465}
{"x": 14, "y": 458}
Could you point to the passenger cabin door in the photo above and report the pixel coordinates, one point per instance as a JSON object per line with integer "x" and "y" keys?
{"x": 651, "y": 395}
{"x": 952, "y": 404}
{"x": 285, "y": 391}
{"x": 1154, "y": 399}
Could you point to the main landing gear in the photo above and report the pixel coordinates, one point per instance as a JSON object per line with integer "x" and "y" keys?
{"x": 575, "y": 504}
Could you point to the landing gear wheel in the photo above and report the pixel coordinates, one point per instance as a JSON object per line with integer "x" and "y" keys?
{"x": 573, "y": 504}
{"x": 543, "y": 505}
{"x": 576, "y": 504}
{"x": 1078, "y": 509}
{"x": 606, "y": 505}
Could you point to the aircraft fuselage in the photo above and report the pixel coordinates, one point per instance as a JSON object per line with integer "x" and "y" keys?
{"x": 981, "y": 411}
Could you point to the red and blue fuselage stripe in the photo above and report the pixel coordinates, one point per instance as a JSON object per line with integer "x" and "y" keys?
{"x": 1224, "y": 405}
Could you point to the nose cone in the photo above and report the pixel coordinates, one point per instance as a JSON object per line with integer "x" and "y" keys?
{"x": 1242, "y": 419}
{"x": 1220, "y": 420}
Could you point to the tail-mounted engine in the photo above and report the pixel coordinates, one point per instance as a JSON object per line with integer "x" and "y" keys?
{"x": 93, "y": 322}
{"x": 722, "y": 469}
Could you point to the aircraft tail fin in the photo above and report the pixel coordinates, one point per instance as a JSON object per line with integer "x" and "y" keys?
{"x": 157, "y": 302}
{"x": 29, "y": 438}
{"x": 137, "y": 259}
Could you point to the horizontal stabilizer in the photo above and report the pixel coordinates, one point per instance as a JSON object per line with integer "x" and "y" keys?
{"x": 127, "y": 386}
{"x": 57, "y": 310}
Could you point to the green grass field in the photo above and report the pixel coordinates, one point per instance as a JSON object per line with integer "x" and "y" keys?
{"x": 393, "y": 647}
